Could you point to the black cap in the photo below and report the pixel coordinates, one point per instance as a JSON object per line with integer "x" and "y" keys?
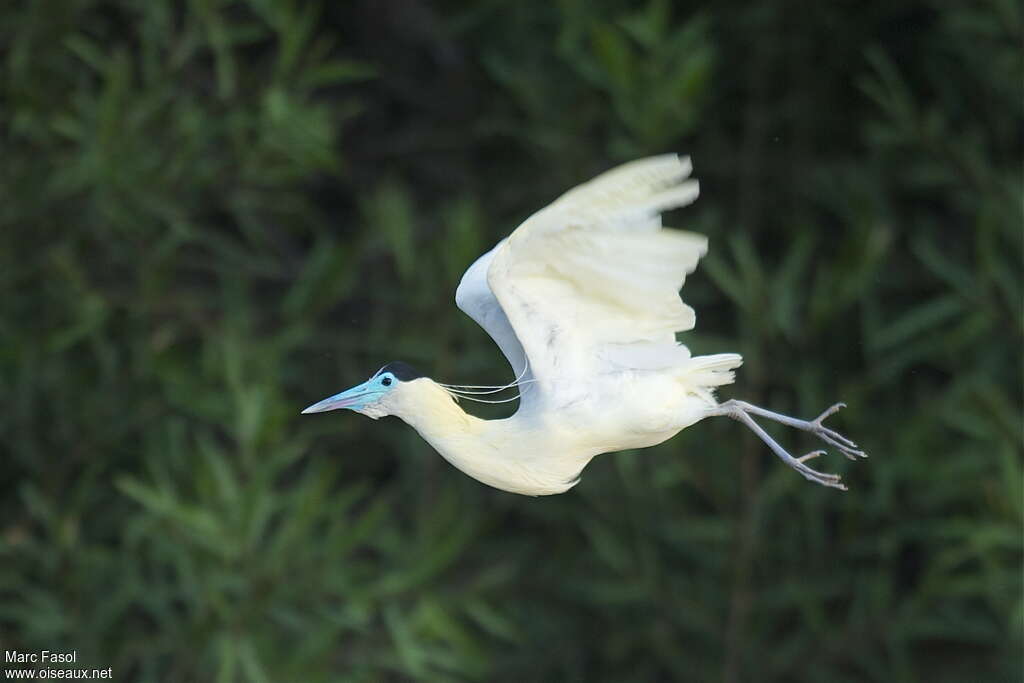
{"x": 401, "y": 371}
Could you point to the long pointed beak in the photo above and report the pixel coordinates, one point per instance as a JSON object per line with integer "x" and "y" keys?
{"x": 350, "y": 398}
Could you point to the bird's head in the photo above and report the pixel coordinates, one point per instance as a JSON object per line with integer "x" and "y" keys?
{"x": 381, "y": 395}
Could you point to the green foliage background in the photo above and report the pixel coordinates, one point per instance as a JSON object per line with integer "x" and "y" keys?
{"x": 213, "y": 213}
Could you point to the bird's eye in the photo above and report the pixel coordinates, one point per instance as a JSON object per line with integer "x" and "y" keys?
{"x": 386, "y": 381}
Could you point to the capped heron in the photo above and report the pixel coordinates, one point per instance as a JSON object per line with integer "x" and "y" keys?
{"x": 583, "y": 301}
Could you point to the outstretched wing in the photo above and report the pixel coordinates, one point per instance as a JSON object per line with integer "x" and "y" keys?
{"x": 590, "y": 284}
{"x": 476, "y": 300}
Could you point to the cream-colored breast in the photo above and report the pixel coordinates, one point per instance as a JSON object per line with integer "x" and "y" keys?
{"x": 512, "y": 455}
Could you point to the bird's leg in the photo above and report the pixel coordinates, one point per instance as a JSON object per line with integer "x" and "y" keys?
{"x": 741, "y": 411}
{"x": 815, "y": 426}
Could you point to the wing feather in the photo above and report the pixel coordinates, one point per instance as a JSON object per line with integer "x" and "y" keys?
{"x": 591, "y": 282}
{"x": 475, "y": 298}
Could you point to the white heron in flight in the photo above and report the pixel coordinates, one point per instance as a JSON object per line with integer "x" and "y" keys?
{"x": 583, "y": 301}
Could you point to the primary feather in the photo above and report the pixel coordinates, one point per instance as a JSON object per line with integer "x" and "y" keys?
{"x": 590, "y": 284}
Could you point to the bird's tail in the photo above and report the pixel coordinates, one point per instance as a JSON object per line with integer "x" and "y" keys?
{"x": 701, "y": 374}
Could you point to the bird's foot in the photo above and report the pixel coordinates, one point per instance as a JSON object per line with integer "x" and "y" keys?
{"x": 823, "y": 478}
{"x": 834, "y": 438}
{"x": 742, "y": 411}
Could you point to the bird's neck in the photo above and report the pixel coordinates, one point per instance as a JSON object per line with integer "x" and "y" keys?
{"x": 490, "y": 451}
{"x": 431, "y": 411}
{"x": 511, "y": 454}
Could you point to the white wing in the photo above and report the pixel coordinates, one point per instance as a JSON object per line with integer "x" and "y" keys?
{"x": 476, "y": 300}
{"x": 590, "y": 284}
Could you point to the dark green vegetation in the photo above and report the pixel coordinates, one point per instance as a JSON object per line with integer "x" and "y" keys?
{"x": 214, "y": 213}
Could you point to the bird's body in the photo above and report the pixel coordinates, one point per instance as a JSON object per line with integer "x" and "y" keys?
{"x": 583, "y": 301}
{"x": 543, "y": 452}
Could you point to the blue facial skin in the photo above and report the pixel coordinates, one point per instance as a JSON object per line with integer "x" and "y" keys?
{"x": 357, "y": 397}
